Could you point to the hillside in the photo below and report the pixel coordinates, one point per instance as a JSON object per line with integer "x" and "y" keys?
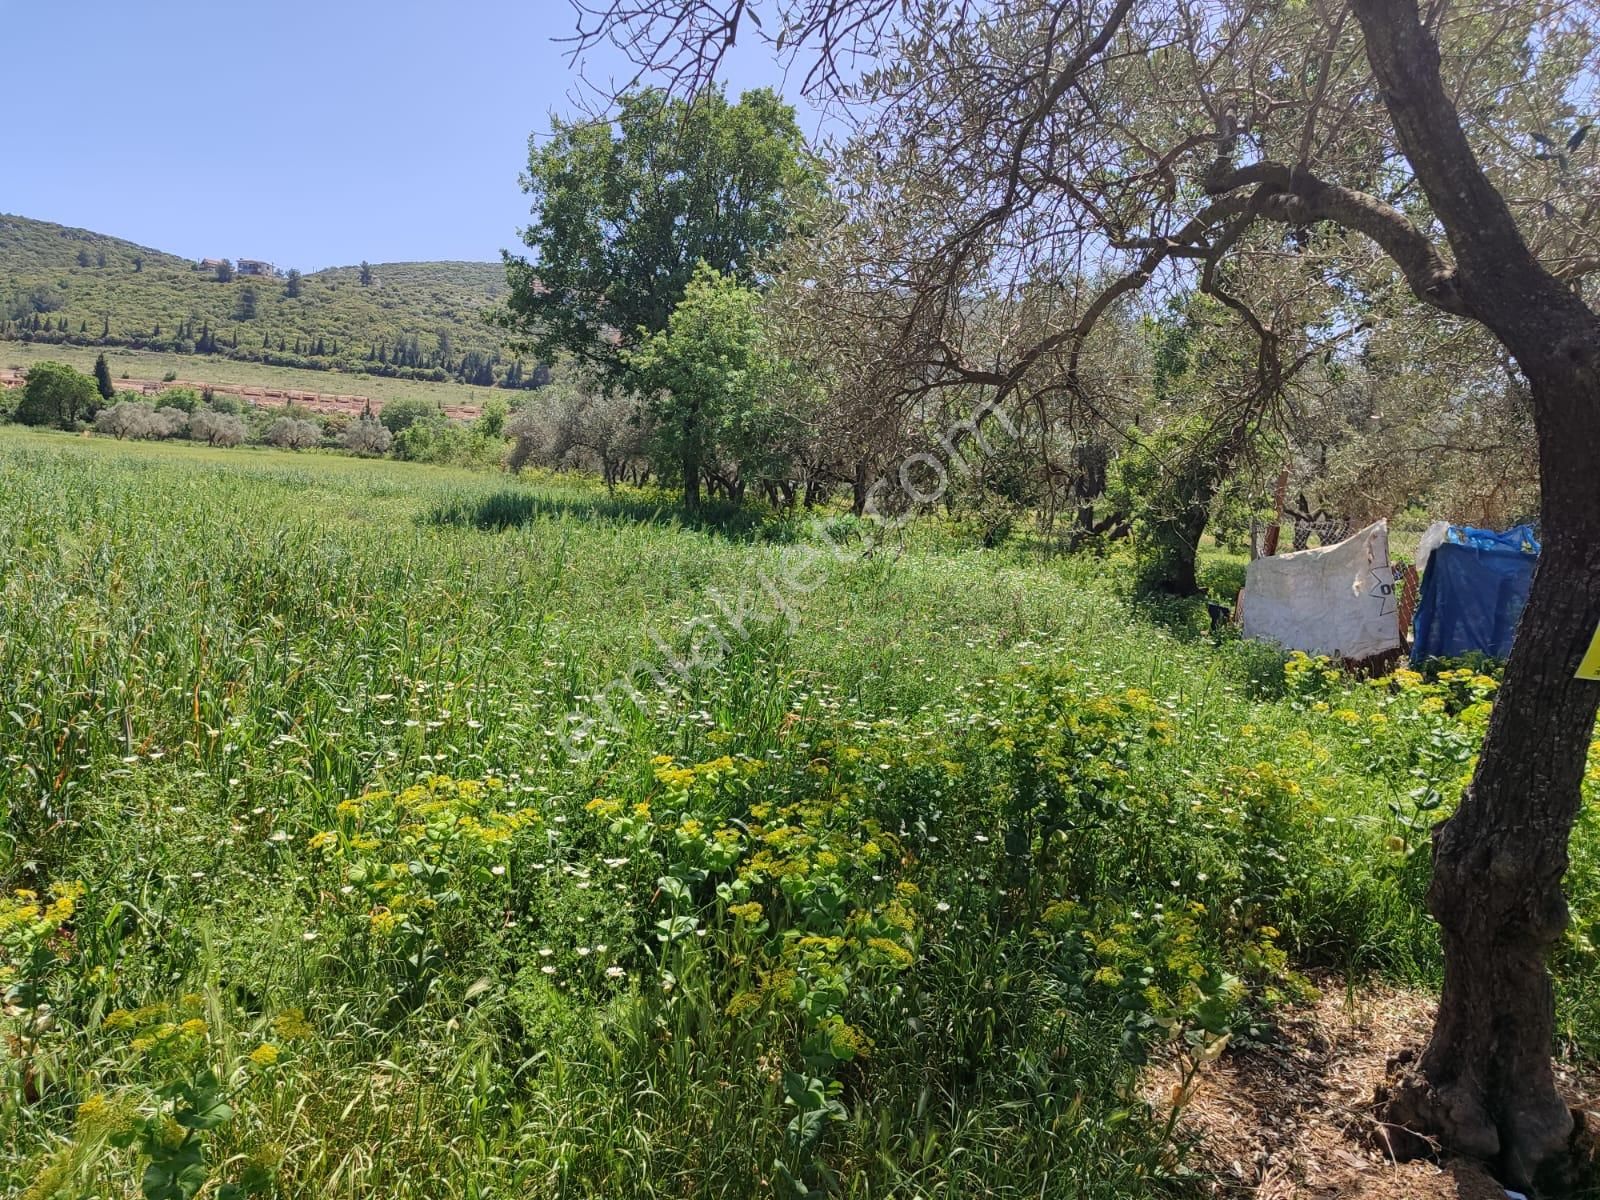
{"x": 421, "y": 321}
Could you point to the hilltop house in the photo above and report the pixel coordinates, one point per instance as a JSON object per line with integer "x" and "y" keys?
{"x": 209, "y": 264}
{"x": 254, "y": 266}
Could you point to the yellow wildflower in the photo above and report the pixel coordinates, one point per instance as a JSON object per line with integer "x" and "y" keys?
{"x": 291, "y": 1025}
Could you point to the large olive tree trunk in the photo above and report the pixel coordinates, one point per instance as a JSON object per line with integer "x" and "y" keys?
{"x": 1484, "y": 1085}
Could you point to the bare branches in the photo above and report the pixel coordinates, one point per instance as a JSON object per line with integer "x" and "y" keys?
{"x": 1293, "y": 196}
{"x": 1487, "y": 242}
{"x": 681, "y": 44}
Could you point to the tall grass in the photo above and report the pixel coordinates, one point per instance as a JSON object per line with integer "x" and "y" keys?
{"x": 1041, "y": 798}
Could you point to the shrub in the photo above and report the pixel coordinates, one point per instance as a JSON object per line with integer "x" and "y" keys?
{"x": 186, "y": 399}
{"x": 447, "y": 443}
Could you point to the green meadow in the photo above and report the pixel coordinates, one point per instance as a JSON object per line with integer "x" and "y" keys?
{"x": 379, "y": 830}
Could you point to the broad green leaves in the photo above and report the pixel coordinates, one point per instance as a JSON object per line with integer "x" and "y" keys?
{"x": 625, "y": 212}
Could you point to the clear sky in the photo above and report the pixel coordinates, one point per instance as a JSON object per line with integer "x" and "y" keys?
{"x": 310, "y": 133}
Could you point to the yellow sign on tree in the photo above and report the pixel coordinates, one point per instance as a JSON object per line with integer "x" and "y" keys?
{"x": 1589, "y": 668}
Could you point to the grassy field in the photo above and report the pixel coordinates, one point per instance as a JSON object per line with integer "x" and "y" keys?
{"x": 353, "y": 869}
{"x": 145, "y": 364}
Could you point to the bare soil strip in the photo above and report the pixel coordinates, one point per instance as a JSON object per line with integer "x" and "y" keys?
{"x": 1295, "y": 1121}
{"x": 327, "y": 402}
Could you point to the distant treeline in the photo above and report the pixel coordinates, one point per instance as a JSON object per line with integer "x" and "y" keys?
{"x": 401, "y": 358}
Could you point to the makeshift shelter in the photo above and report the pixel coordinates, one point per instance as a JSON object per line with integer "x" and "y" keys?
{"x": 1474, "y": 587}
{"x": 1335, "y": 600}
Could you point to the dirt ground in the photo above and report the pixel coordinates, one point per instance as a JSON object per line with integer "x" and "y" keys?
{"x": 1295, "y": 1121}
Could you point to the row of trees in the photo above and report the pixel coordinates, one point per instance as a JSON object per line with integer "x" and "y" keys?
{"x": 417, "y": 430}
{"x": 1164, "y": 249}
{"x": 776, "y": 342}
{"x": 405, "y": 358}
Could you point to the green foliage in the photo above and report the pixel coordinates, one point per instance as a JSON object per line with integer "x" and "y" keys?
{"x": 55, "y": 394}
{"x": 186, "y": 399}
{"x": 399, "y": 415}
{"x": 709, "y": 385}
{"x": 1168, "y": 480}
{"x": 315, "y": 902}
{"x": 102, "y": 379}
{"x": 447, "y": 443}
{"x": 623, "y": 219}
{"x": 491, "y": 422}
{"x": 325, "y": 321}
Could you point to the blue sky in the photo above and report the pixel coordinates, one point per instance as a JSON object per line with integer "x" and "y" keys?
{"x": 312, "y": 133}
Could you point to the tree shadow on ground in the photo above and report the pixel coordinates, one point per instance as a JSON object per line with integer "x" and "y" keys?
{"x": 510, "y": 508}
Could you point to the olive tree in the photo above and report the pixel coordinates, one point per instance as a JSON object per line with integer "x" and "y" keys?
{"x": 367, "y": 437}
{"x": 292, "y": 433}
{"x": 574, "y": 422}
{"x": 216, "y": 428}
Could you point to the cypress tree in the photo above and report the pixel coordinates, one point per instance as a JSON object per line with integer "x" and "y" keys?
{"x": 102, "y": 379}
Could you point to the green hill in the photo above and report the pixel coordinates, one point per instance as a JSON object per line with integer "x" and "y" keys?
{"x": 415, "y": 321}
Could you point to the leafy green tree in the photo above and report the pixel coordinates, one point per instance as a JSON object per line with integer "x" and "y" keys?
{"x": 491, "y": 422}
{"x": 399, "y": 415}
{"x": 83, "y": 258}
{"x": 244, "y": 308}
{"x": 102, "y": 379}
{"x": 706, "y": 380}
{"x": 625, "y": 211}
{"x": 366, "y": 273}
{"x": 55, "y": 394}
{"x": 184, "y": 399}
{"x": 291, "y": 284}
{"x": 224, "y": 271}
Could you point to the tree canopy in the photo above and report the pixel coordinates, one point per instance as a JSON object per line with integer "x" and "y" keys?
{"x": 711, "y": 391}
{"x": 625, "y": 211}
{"x": 55, "y": 394}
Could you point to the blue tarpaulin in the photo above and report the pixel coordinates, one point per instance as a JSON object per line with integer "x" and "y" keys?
{"x": 1473, "y": 591}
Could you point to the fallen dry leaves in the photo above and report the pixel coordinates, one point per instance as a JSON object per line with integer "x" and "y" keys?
{"x": 1294, "y": 1121}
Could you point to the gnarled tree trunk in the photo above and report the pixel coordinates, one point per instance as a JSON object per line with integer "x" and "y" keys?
{"x": 1484, "y": 1085}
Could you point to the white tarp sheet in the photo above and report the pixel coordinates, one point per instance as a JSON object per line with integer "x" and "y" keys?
{"x": 1336, "y": 600}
